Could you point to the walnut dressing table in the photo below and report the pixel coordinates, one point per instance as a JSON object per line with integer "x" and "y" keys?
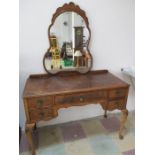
{"x": 70, "y": 81}
{"x": 44, "y": 95}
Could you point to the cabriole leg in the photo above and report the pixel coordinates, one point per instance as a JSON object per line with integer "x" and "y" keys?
{"x": 29, "y": 131}
{"x": 122, "y": 123}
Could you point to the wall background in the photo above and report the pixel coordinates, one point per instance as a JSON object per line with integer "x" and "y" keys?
{"x": 112, "y": 45}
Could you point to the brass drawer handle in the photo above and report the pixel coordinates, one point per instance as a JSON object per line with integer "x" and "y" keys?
{"x": 81, "y": 98}
{"x": 118, "y": 92}
{"x": 40, "y": 102}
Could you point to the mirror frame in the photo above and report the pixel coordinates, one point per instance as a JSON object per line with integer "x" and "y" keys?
{"x": 70, "y": 7}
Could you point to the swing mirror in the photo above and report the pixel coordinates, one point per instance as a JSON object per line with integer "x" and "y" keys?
{"x": 69, "y": 36}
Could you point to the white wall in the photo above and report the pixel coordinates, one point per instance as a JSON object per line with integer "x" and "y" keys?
{"x": 112, "y": 44}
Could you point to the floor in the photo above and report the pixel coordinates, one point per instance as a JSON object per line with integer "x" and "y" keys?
{"x": 95, "y": 136}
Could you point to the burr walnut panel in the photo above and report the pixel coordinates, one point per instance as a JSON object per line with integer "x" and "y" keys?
{"x": 71, "y": 82}
{"x": 40, "y": 102}
{"x": 116, "y": 93}
{"x": 40, "y": 114}
{"x": 116, "y": 104}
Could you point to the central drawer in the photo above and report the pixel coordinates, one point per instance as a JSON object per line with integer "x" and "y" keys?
{"x": 97, "y": 96}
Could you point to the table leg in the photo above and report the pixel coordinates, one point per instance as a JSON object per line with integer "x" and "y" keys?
{"x": 35, "y": 126}
{"x": 104, "y": 108}
{"x": 122, "y": 123}
{"x": 105, "y": 113}
{"x": 29, "y": 131}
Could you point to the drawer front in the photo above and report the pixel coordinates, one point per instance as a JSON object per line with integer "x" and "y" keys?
{"x": 40, "y": 102}
{"x": 117, "y": 93}
{"x": 81, "y": 97}
{"x": 116, "y": 104}
{"x": 36, "y": 114}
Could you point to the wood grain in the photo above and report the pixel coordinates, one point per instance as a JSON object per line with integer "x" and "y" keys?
{"x": 70, "y": 83}
{"x": 29, "y": 131}
{"x": 44, "y": 95}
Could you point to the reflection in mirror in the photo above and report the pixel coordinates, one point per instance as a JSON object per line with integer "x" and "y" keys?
{"x": 68, "y": 45}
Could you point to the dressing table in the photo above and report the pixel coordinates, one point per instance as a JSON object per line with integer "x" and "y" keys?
{"x": 69, "y": 80}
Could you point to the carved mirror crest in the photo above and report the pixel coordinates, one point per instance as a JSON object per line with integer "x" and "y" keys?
{"x": 69, "y": 36}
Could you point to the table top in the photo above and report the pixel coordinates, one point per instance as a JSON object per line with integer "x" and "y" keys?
{"x": 45, "y": 84}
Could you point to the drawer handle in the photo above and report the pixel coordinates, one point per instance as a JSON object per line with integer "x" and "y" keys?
{"x": 81, "y": 98}
{"x": 40, "y": 102}
{"x": 118, "y": 92}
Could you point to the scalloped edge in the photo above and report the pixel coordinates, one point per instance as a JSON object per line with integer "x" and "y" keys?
{"x": 68, "y": 7}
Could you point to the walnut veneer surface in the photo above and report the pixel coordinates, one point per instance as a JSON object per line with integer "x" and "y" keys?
{"x": 44, "y": 95}
{"x": 58, "y": 84}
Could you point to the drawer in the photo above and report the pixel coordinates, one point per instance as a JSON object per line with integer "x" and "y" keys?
{"x": 117, "y": 93}
{"x": 40, "y": 102}
{"x": 81, "y": 97}
{"x": 116, "y": 104}
{"x": 36, "y": 114}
